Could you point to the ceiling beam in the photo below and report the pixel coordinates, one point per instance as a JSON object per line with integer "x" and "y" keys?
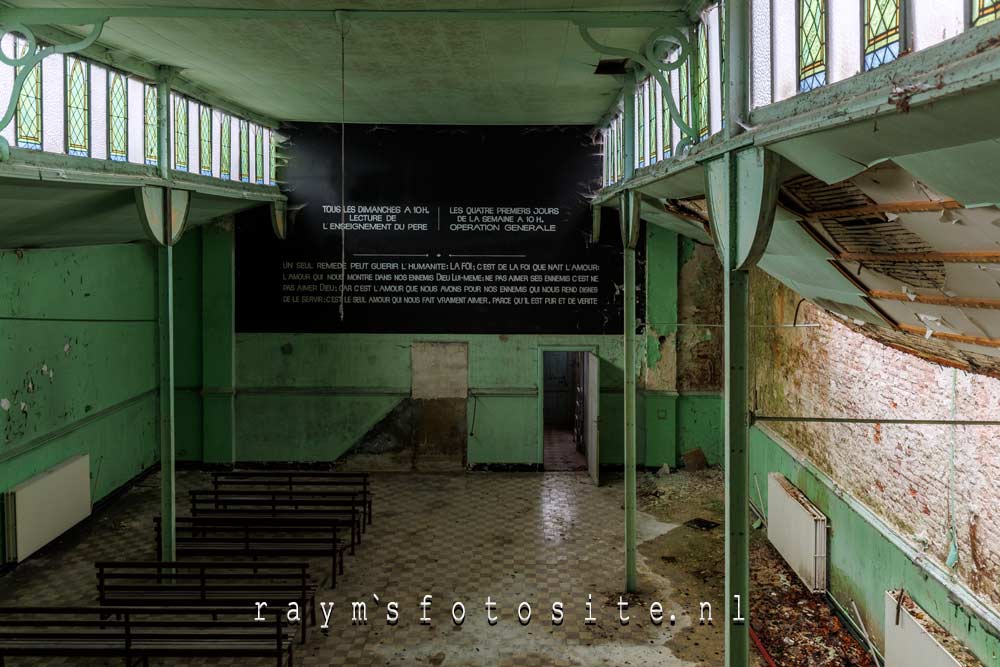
{"x": 935, "y": 300}
{"x": 953, "y": 337}
{"x": 594, "y": 19}
{"x": 887, "y": 207}
{"x": 971, "y": 257}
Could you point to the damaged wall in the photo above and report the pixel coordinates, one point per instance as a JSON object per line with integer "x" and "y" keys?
{"x": 78, "y": 362}
{"x": 682, "y": 376}
{"x": 901, "y": 473}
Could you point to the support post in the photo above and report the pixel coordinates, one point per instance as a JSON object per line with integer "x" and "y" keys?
{"x": 627, "y": 213}
{"x": 218, "y": 348}
{"x": 165, "y": 326}
{"x": 737, "y": 338}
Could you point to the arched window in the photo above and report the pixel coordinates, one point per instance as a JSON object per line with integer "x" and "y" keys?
{"x": 881, "y": 34}
{"x": 225, "y": 147}
{"x": 180, "y": 133}
{"x": 150, "y": 126}
{"x": 28, "y": 117}
{"x": 684, "y": 91}
{"x": 244, "y": 152}
{"x": 667, "y": 125}
{"x": 77, "y": 107}
{"x": 258, "y": 154}
{"x": 117, "y": 117}
{"x": 640, "y": 126}
{"x": 205, "y": 140}
{"x": 984, "y": 11}
{"x": 812, "y": 44}
{"x": 702, "y": 99}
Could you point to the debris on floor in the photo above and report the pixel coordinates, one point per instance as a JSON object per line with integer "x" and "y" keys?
{"x": 694, "y": 460}
{"x": 798, "y": 628}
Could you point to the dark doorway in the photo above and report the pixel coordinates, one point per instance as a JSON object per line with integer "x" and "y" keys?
{"x": 563, "y": 413}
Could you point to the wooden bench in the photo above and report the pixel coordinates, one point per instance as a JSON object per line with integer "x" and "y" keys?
{"x": 253, "y": 537}
{"x": 136, "y": 635}
{"x": 345, "y": 506}
{"x": 295, "y": 480}
{"x": 209, "y": 584}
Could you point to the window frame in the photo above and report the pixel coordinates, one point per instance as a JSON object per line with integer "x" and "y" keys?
{"x": 112, "y": 75}
{"x": 89, "y": 123}
{"x": 903, "y": 28}
{"x": 39, "y": 99}
{"x": 826, "y": 45}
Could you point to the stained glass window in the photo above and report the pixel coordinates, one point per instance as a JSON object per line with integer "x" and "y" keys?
{"x": 882, "y": 36}
{"x": 244, "y": 152}
{"x": 723, "y": 73}
{"x": 117, "y": 117}
{"x": 258, "y": 154}
{"x": 667, "y": 127}
{"x": 180, "y": 133}
{"x": 640, "y": 128}
{"x": 984, "y": 11}
{"x": 701, "y": 91}
{"x": 274, "y": 159}
{"x": 77, "y": 107}
{"x": 225, "y": 147}
{"x": 28, "y": 117}
{"x": 651, "y": 88}
{"x": 683, "y": 90}
{"x": 149, "y": 135}
{"x": 812, "y": 44}
{"x": 205, "y": 140}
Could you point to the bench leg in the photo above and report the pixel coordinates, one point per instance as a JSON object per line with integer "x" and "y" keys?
{"x": 369, "y": 511}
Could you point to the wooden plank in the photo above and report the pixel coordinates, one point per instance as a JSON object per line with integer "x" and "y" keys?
{"x": 936, "y": 300}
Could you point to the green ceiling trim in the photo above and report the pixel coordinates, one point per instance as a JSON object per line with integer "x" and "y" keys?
{"x": 589, "y": 18}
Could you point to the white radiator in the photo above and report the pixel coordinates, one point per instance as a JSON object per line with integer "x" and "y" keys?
{"x": 797, "y": 530}
{"x": 908, "y": 643}
{"x": 44, "y": 507}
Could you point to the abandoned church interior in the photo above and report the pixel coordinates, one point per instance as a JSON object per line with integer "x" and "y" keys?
{"x": 500, "y": 333}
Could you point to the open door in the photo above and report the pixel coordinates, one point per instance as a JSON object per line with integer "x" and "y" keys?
{"x": 592, "y": 381}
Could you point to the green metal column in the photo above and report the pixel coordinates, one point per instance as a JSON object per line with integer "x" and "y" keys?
{"x": 737, "y": 307}
{"x": 628, "y": 130}
{"x": 165, "y": 326}
{"x": 218, "y": 348}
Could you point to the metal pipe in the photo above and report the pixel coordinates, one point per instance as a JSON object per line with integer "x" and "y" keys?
{"x": 871, "y": 420}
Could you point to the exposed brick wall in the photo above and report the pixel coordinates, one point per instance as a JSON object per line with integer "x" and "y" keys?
{"x": 699, "y": 311}
{"x": 899, "y": 471}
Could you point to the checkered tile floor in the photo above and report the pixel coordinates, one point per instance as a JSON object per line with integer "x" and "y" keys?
{"x": 533, "y": 537}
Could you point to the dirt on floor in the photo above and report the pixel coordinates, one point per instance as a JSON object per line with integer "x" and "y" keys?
{"x": 797, "y": 629}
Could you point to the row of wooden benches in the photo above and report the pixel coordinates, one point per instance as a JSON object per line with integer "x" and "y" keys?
{"x": 186, "y": 608}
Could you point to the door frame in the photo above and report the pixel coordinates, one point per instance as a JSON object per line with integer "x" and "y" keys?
{"x": 542, "y": 349}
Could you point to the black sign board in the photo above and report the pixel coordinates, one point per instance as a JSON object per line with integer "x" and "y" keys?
{"x": 442, "y": 230}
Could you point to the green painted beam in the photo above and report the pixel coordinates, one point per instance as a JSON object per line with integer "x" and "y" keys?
{"x": 218, "y": 342}
{"x": 630, "y": 366}
{"x": 165, "y": 326}
{"x": 594, "y": 18}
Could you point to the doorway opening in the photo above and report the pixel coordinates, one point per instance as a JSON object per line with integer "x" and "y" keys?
{"x": 570, "y": 396}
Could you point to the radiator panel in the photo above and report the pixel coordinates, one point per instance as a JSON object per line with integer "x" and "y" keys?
{"x": 42, "y": 508}
{"x": 797, "y": 529}
{"x": 908, "y": 644}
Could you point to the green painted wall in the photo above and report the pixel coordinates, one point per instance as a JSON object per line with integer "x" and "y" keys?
{"x": 78, "y": 348}
{"x": 864, "y": 562}
{"x": 187, "y": 346}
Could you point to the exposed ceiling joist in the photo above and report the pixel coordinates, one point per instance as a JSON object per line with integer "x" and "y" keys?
{"x": 971, "y": 257}
{"x": 936, "y": 300}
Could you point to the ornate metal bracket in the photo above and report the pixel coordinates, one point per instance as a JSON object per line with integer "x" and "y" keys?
{"x": 656, "y": 68}
{"x": 24, "y": 64}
